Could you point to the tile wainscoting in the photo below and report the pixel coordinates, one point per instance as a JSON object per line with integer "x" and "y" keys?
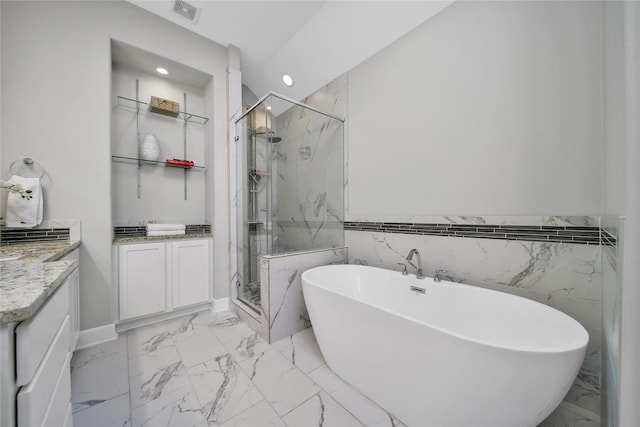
{"x": 283, "y": 306}
{"x": 555, "y": 260}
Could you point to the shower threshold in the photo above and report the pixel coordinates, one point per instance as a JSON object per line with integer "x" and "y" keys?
{"x": 251, "y": 296}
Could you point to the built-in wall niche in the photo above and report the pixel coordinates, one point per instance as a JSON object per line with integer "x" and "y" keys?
{"x": 150, "y": 190}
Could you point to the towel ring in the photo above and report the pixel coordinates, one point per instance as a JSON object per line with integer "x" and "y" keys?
{"x": 27, "y": 168}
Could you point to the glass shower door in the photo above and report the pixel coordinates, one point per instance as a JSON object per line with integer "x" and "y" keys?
{"x": 290, "y": 170}
{"x": 253, "y": 172}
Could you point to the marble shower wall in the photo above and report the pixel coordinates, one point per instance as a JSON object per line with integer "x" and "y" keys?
{"x": 566, "y": 276}
{"x": 283, "y": 306}
{"x": 308, "y": 172}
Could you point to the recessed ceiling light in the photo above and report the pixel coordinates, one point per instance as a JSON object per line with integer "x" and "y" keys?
{"x": 269, "y": 107}
{"x": 287, "y": 80}
{"x": 162, "y": 70}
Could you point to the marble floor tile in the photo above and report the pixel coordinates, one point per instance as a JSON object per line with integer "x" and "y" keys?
{"x": 320, "y": 410}
{"x": 222, "y": 388}
{"x": 153, "y": 337}
{"x": 180, "y": 408}
{"x": 302, "y": 350}
{"x": 259, "y": 415}
{"x": 217, "y": 318}
{"x": 198, "y": 346}
{"x": 282, "y": 384}
{"x": 110, "y": 371}
{"x": 242, "y": 342}
{"x": 353, "y": 401}
{"x": 114, "y": 412}
{"x": 212, "y": 369}
{"x": 87, "y": 355}
{"x": 156, "y": 373}
{"x": 202, "y": 318}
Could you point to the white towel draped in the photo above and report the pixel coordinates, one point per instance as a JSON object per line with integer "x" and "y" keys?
{"x": 22, "y": 212}
{"x": 157, "y": 233}
{"x": 166, "y": 227}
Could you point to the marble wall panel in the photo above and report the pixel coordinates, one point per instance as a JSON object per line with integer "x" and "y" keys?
{"x": 284, "y": 309}
{"x": 309, "y": 183}
{"x": 565, "y": 276}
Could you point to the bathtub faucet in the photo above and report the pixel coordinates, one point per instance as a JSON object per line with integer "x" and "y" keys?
{"x": 438, "y": 273}
{"x": 419, "y": 274}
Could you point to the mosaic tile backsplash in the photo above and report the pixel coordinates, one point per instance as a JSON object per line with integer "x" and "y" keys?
{"x": 20, "y": 235}
{"x": 141, "y": 231}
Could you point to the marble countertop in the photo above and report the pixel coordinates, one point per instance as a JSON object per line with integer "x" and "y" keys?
{"x": 27, "y": 282}
{"x": 134, "y": 239}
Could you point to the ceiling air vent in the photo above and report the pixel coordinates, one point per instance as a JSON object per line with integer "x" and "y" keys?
{"x": 186, "y": 10}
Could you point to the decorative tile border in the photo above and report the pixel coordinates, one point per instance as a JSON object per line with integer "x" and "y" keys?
{"x": 141, "y": 231}
{"x": 199, "y": 229}
{"x": 24, "y": 235}
{"x": 535, "y": 233}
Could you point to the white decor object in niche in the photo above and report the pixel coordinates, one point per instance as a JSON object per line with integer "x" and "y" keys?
{"x": 149, "y": 149}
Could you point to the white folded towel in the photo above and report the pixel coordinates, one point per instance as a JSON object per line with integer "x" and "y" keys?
{"x": 157, "y": 233}
{"x": 166, "y": 227}
{"x": 22, "y": 212}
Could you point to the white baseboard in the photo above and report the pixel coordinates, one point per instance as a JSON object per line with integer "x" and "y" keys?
{"x": 221, "y": 304}
{"x": 95, "y": 336}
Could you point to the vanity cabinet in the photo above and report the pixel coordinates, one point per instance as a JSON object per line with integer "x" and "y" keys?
{"x": 42, "y": 364}
{"x": 161, "y": 277}
{"x": 142, "y": 279}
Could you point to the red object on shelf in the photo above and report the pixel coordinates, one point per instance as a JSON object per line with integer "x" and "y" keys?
{"x": 259, "y": 172}
{"x": 177, "y": 163}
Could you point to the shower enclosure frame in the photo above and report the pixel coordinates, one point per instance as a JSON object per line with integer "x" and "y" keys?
{"x": 239, "y": 225}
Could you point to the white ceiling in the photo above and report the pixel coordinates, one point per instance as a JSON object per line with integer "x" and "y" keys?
{"x": 314, "y": 41}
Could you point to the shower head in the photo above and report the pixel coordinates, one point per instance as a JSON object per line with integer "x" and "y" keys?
{"x": 274, "y": 139}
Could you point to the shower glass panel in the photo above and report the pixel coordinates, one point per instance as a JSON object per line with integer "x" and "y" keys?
{"x": 291, "y": 169}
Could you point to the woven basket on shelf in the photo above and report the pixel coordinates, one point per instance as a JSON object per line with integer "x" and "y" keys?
{"x": 164, "y": 106}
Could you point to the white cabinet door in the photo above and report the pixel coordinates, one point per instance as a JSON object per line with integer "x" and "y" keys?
{"x": 190, "y": 272}
{"x": 142, "y": 279}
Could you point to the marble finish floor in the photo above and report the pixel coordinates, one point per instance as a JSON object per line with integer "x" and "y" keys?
{"x": 212, "y": 369}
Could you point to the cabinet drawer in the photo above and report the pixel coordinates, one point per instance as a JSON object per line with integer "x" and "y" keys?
{"x": 34, "y": 336}
{"x": 56, "y": 414}
{"x": 33, "y": 399}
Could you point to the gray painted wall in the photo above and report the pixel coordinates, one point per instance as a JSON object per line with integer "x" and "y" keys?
{"x": 487, "y": 108}
{"x": 56, "y": 108}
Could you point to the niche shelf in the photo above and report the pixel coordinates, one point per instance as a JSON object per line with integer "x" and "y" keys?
{"x": 132, "y": 104}
{"x": 136, "y": 160}
{"x": 139, "y": 107}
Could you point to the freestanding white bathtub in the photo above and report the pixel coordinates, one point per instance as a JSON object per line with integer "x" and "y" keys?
{"x": 456, "y": 355}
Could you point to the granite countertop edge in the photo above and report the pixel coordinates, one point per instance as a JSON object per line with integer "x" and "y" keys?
{"x": 43, "y": 279}
{"x": 134, "y": 239}
{"x": 66, "y": 250}
{"x": 28, "y": 282}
